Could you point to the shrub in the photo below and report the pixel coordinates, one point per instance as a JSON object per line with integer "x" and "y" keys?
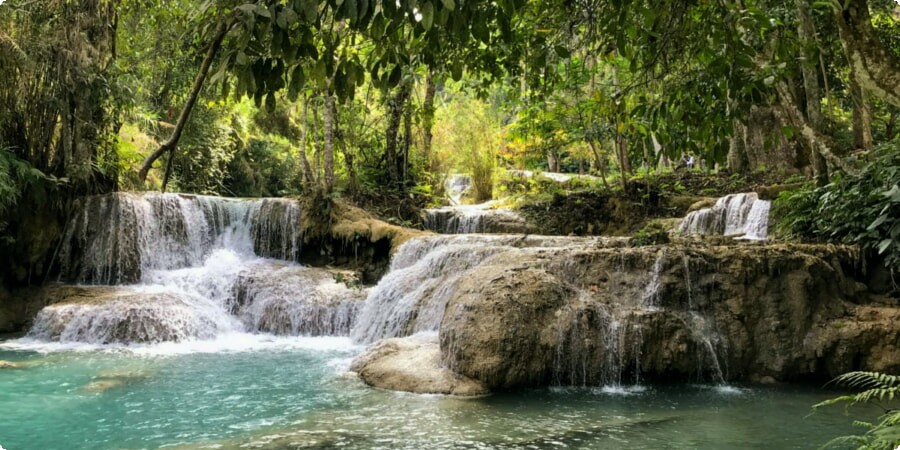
{"x": 859, "y": 209}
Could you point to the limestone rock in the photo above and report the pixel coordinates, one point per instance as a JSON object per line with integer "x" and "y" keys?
{"x": 412, "y": 364}
{"x": 717, "y": 313}
{"x": 10, "y": 365}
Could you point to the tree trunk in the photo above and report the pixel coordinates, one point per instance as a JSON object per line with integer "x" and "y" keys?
{"x": 808, "y": 50}
{"x": 428, "y": 118}
{"x": 862, "y": 116}
{"x": 329, "y": 141}
{"x": 738, "y": 161}
{"x": 307, "y": 170}
{"x": 810, "y": 135}
{"x": 621, "y": 153}
{"x": 876, "y": 67}
{"x": 601, "y": 165}
{"x": 392, "y": 134}
{"x": 317, "y": 145}
{"x": 407, "y": 144}
{"x": 172, "y": 142}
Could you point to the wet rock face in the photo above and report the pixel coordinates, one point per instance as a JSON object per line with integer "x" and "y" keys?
{"x": 611, "y": 315}
{"x": 412, "y": 364}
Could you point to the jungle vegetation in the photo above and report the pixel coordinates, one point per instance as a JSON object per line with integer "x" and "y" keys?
{"x": 379, "y": 101}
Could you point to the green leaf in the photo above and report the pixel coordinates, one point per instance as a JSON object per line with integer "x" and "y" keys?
{"x": 427, "y": 15}
{"x": 449, "y": 4}
{"x": 880, "y": 220}
{"x": 893, "y": 194}
{"x": 310, "y": 9}
{"x": 883, "y": 245}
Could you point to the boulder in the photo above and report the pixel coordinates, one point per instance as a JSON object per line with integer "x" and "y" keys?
{"x": 412, "y": 364}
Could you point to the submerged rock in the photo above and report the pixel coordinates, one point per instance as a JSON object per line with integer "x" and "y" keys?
{"x": 412, "y": 364}
{"x": 113, "y": 380}
{"x": 10, "y": 365}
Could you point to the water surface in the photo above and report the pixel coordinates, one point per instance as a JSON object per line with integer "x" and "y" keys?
{"x": 257, "y": 391}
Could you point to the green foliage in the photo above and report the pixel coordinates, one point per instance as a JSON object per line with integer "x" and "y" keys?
{"x": 863, "y": 209}
{"x": 877, "y": 388}
{"x": 18, "y": 177}
{"x": 469, "y": 137}
{"x": 654, "y": 233}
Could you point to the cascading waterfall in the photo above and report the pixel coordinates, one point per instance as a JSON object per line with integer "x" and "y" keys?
{"x": 599, "y": 331}
{"x": 650, "y": 300}
{"x": 423, "y": 276}
{"x": 742, "y": 215}
{"x": 114, "y": 239}
{"x": 193, "y": 267}
{"x": 467, "y": 219}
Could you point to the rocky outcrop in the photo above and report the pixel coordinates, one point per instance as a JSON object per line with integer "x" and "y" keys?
{"x": 412, "y": 364}
{"x": 609, "y": 315}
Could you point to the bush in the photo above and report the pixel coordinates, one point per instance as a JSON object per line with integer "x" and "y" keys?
{"x": 654, "y": 233}
{"x": 861, "y": 209}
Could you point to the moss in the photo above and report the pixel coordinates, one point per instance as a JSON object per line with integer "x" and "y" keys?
{"x": 336, "y": 233}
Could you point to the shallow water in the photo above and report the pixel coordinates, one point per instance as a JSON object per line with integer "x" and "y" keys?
{"x": 255, "y": 391}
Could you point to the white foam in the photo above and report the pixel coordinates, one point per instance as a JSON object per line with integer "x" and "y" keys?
{"x": 229, "y": 342}
{"x": 622, "y": 390}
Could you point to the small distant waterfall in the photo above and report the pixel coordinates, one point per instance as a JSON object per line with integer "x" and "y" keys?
{"x": 736, "y": 214}
{"x": 193, "y": 267}
{"x": 651, "y": 292}
{"x": 457, "y": 186}
{"x": 467, "y": 219}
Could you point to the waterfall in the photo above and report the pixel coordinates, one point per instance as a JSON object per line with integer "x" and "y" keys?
{"x": 707, "y": 338}
{"x": 295, "y": 300}
{"x": 481, "y": 218}
{"x": 736, "y": 214}
{"x": 117, "y": 238}
{"x": 134, "y": 314}
{"x": 172, "y": 267}
{"x": 423, "y": 277}
{"x": 457, "y": 186}
{"x": 651, "y": 292}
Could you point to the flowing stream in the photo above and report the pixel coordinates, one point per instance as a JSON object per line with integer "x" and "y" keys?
{"x": 194, "y": 327}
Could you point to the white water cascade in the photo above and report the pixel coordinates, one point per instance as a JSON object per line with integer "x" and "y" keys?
{"x": 741, "y": 215}
{"x": 170, "y": 267}
{"x": 480, "y": 218}
{"x": 457, "y": 186}
{"x": 423, "y": 277}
